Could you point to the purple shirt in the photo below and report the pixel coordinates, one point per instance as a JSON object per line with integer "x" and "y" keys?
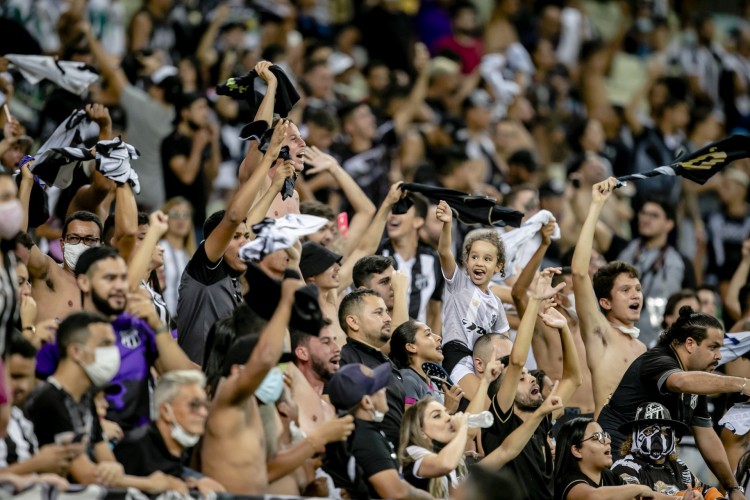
{"x": 128, "y": 394}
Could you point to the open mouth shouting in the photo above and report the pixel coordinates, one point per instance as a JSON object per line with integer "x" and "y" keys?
{"x": 478, "y": 274}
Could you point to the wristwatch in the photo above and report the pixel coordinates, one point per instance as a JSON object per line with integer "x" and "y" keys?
{"x": 736, "y": 488}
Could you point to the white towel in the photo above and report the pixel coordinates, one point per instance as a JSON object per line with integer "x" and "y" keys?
{"x": 521, "y": 243}
{"x": 737, "y": 419}
{"x": 735, "y": 345}
{"x": 272, "y": 235}
{"x": 73, "y": 76}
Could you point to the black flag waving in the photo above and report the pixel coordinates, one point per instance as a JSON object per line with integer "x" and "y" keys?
{"x": 702, "y": 164}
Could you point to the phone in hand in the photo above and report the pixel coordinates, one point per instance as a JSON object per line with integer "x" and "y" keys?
{"x": 342, "y": 220}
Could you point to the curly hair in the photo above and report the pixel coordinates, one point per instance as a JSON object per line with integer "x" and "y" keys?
{"x": 490, "y": 236}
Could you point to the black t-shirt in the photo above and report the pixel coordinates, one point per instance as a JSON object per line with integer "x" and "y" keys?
{"x": 53, "y": 411}
{"x": 670, "y": 478}
{"x": 372, "y": 451}
{"x": 357, "y": 352}
{"x": 143, "y": 451}
{"x": 645, "y": 381}
{"x": 177, "y": 144}
{"x": 209, "y": 291}
{"x": 534, "y": 466}
{"x": 564, "y": 484}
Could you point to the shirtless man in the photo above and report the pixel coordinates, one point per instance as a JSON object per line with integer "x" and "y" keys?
{"x": 234, "y": 445}
{"x": 546, "y": 341}
{"x": 608, "y": 307}
{"x": 316, "y": 359}
{"x": 293, "y": 140}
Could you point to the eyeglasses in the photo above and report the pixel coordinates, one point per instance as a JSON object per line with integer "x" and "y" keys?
{"x": 179, "y": 215}
{"x": 599, "y": 436}
{"x": 89, "y": 241}
{"x": 196, "y": 404}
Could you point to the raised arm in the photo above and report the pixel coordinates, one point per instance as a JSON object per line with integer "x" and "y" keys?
{"x": 371, "y": 239}
{"x": 571, "y": 375}
{"x": 400, "y": 284}
{"x": 138, "y": 267}
{"x": 206, "y": 53}
{"x": 261, "y": 208}
{"x": 520, "y": 352}
{"x": 446, "y": 461}
{"x": 218, "y": 241}
{"x": 592, "y": 321}
{"x": 404, "y": 115}
{"x": 517, "y": 440}
{"x": 265, "y": 113}
{"x": 113, "y": 74}
{"x": 445, "y": 252}
{"x": 24, "y": 193}
{"x": 519, "y": 292}
{"x": 126, "y": 220}
{"x": 266, "y": 353}
{"x": 364, "y": 209}
{"x": 739, "y": 279}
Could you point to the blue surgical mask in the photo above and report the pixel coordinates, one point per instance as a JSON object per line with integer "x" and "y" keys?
{"x": 270, "y": 389}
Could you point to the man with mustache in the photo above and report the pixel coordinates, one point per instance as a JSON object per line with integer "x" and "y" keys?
{"x": 677, "y": 374}
{"x": 316, "y": 359}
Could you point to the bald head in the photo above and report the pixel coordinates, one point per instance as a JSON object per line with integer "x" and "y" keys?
{"x": 484, "y": 347}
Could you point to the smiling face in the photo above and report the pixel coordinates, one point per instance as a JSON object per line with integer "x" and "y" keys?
{"x": 626, "y": 300}
{"x": 705, "y": 356}
{"x": 402, "y": 225}
{"x": 328, "y": 279}
{"x": 296, "y": 144}
{"x": 436, "y": 423}
{"x": 482, "y": 263}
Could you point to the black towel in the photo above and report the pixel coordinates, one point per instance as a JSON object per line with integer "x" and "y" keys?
{"x": 243, "y": 87}
{"x": 469, "y": 209}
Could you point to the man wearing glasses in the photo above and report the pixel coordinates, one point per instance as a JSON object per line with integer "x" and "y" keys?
{"x": 54, "y": 285}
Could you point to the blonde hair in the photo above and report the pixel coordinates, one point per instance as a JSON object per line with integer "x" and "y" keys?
{"x": 190, "y": 244}
{"x": 412, "y": 435}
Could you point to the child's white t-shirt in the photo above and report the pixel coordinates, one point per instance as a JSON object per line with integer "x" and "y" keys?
{"x": 468, "y": 312}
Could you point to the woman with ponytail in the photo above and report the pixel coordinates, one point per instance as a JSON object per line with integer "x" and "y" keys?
{"x": 678, "y": 373}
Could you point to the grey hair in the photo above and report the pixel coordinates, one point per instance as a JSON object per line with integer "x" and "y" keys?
{"x": 170, "y": 383}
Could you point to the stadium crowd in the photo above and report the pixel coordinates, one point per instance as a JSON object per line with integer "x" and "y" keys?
{"x": 373, "y": 249}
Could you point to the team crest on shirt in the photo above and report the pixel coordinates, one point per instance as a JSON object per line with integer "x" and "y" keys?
{"x": 693, "y": 401}
{"x": 421, "y": 281}
{"x": 130, "y": 338}
{"x": 667, "y": 489}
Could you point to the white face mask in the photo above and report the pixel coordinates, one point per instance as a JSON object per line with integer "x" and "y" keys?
{"x": 633, "y": 332}
{"x": 572, "y": 309}
{"x": 183, "y": 437}
{"x": 377, "y": 416}
{"x": 105, "y": 366}
{"x": 11, "y": 214}
{"x": 71, "y": 253}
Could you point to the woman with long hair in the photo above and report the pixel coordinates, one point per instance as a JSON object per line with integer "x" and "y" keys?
{"x": 432, "y": 444}
{"x": 582, "y": 465}
{"x": 413, "y": 344}
{"x": 179, "y": 245}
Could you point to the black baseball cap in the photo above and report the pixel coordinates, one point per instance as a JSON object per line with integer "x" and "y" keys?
{"x": 241, "y": 350}
{"x": 352, "y": 382}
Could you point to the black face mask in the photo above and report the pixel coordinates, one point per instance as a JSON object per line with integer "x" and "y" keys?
{"x": 193, "y": 126}
{"x": 472, "y": 32}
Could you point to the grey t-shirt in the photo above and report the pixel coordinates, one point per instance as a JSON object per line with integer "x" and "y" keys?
{"x": 468, "y": 312}
{"x": 149, "y": 122}
{"x": 415, "y": 388}
{"x": 208, "y": 292}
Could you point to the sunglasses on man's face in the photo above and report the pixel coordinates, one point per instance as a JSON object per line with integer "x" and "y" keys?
{"x": 599, "y": 436}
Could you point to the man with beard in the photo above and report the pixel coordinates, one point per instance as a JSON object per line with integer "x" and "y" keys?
{"x": 674, "y": 373}
{"x": 143, "y": 340}
{"x": 519, "y": 395}
{"x": 316, "y": 359}
{"x": 377, "y": 273}
{"x": 650, "y": 453}
{"x": 364, "y": 317}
